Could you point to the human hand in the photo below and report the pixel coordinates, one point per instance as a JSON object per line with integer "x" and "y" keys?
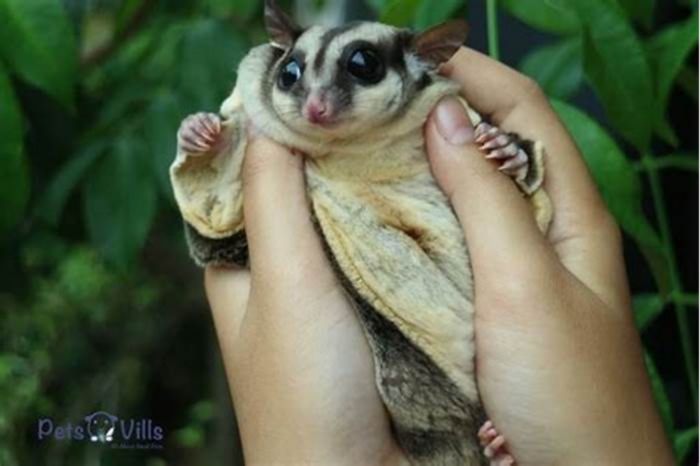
{"x": 298, "y": 364}
{"x": 559, "y": 362}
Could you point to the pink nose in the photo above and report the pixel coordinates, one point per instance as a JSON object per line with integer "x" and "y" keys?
{"x": 317, "y": 111}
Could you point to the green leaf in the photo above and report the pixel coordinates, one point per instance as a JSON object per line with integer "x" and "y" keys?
{"x": 160, "y": 128}
{"x": 618, "y": 183}
{"x": 616, "y": 65}
{"x": 120, "y": 201}
{"x": 242, "y": 10}
{"x": 683, "y": 442}
{"x": 641, "y": 11}
{"x": 668, "y": 51}
{"x": 190, "y": 437}
{"x": 686, "y": 162}
{"x": 377, "y": 5}
{"x": 555, "y": 16}
{"x": 660, "y": 396}
{"x": 37, "y": 41}
{"x": 666, "y": 132}
{"x": 202, "y": 411}
{"x": 557, "y": 68}
{"x": 53, "y": 200}
{"x": 126, "y": 13}
{"x": 211, "y": 71}
{"x": 14, "y": 172}
{"x": 430, "y": 12}
{"x": 14, "y": 185}
{"x": 399, "y": 13}
{"x": 688, "y": 81}
{"x": 647, "y": 307}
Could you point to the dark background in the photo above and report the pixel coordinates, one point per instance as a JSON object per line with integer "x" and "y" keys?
{"x": 96, "y": 314}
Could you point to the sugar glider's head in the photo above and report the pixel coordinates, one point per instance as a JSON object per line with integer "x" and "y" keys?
{"x": 340, "y": 82}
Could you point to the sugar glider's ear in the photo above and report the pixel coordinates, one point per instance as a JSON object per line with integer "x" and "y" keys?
{"x": 282, "y": 29}
{"x": 437, "y": 45}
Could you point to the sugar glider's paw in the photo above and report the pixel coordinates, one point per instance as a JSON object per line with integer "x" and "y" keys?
{"x": 495, "y": 446}
{"x": 503, "y": 148}
{"x": 522, "y": 160}
{"x": 206, "y": 174}
{"x": 199, "y": 133}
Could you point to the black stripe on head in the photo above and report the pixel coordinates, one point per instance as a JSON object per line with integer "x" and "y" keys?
{"x": 390, "y": 50}
{"x": 327, "y": 38}
{"x": 273, "y": 64}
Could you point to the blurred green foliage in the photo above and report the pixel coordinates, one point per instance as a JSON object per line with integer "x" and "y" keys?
{"x": 99, "y": 297}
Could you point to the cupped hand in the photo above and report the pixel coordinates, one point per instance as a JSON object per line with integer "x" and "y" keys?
{"x": 559, "y": 362}
{"x": 299, "y": 367}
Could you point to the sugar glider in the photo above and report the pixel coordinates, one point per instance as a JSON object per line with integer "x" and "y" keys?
{"x": 353, "y": 99}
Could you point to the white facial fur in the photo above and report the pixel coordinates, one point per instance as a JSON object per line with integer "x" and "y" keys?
{"x": 371, "y": 114}
{"x": 357, "y": 107}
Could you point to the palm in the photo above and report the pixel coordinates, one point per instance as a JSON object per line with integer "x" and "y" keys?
{"x": 294, "y": 349}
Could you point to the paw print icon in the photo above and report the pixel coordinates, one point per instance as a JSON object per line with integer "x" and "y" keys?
{"x": 100, "y": 426}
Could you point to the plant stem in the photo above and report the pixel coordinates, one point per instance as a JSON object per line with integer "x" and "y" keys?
{"x": 687, "y": 299}
{"x": 676, "y": 285}
{"x": 492, "y": 26}
{"x": 685, "y": 162}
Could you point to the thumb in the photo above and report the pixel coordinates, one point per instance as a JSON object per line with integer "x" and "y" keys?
{"x": 497, "y": 220}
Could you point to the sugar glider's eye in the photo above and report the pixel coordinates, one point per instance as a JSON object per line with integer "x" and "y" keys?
{"x": 290, "y": 74}
{"x": 366, "y": 65}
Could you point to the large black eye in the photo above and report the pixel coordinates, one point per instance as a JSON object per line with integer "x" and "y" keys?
{"x": 290, "y": 74}
{"x": 366, "y": 66}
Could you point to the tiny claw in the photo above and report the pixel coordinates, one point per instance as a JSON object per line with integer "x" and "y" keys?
{"x": 488, "y": 133}
{"x": 203, "y": 134}
{"x": 514, "y": 163}
{"x": 488, "y": 437}
{"x": 202, "y": 143}
{"x": 211, "y": 122}
{"x": 498, "y": 154}
{"x": 499, "y": 141}
{"x": 484, "y": 428}
{"x": 511, "y": 149}
{"x": 482, "y": 138}
{"x": 194, "y": 144}
{"x": 493, "y": 447}
{"x": 214, "y": 125}
{"x": 199, "y": 132}
{"x": 482, "y": 127}
{"x": 497, "y": 443}
{"x": 506, "y": 461}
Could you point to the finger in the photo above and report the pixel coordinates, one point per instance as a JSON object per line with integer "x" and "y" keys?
{"x": 514, "y": 103}
{"x": 284, "y": 247}
{"x": 500, "y": 228}
{"x": 583, "y": 233}
{"x": 491, "y": 87}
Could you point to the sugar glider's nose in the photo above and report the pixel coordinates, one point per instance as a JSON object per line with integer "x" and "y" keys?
{"x": 318, "y": 110}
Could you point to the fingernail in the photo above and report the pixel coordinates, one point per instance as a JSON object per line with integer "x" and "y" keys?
{"x": 452, "y": 122}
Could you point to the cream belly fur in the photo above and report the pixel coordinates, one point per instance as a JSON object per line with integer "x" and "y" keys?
{"x": 396, "y": 244}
